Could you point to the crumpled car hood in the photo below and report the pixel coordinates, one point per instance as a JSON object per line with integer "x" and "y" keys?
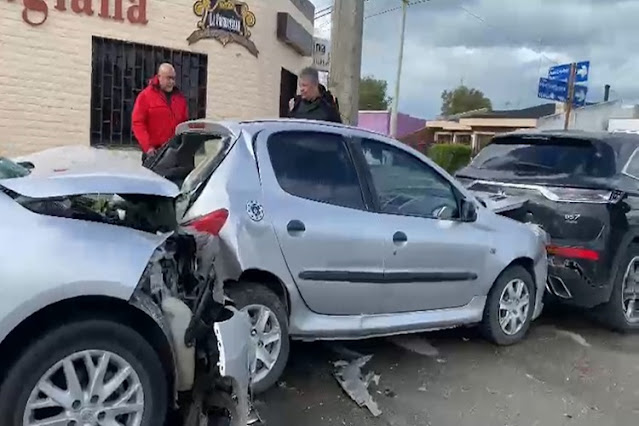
{"x": 74, "y": 170}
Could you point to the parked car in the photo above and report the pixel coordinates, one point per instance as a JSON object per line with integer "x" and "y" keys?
{"x": 331, "y": 232}
{"x": 110, "y": 313}
{"x": 582, "y": 189}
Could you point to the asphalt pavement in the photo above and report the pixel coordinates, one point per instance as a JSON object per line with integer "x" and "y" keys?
{"x": 568, "y": 371}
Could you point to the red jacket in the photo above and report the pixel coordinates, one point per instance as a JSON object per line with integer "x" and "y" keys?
{"x": 154, "y": 118}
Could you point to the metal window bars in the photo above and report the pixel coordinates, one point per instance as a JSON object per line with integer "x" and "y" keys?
{"x": 121, "y": 69}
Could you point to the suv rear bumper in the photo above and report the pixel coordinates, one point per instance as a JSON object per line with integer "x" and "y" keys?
{"x": 579, "y": 282}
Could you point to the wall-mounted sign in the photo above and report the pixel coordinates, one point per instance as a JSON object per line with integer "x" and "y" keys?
{"x": 36, "y": 12}
{"x": 321, "y": 54}
{"x": 227, "y": 21}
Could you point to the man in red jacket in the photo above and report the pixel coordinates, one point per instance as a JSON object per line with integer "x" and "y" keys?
{"x": 158, "y": 109}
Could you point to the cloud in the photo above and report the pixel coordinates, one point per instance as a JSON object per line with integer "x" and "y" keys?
{"x": 501, "y": 47}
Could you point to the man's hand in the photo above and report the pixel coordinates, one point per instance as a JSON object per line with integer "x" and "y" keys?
{"x": 291, "y": 104}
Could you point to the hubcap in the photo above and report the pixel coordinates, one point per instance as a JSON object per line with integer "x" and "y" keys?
{"x": 267, "y": 336}
{"x": 630, "y": 291}
{"x": 88, "y": 388}
{"x": 514, "y": 305}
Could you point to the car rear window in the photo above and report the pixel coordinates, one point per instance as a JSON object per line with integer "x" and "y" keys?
{"x": 10, "y": 170}
{"x": 548, "y": 156}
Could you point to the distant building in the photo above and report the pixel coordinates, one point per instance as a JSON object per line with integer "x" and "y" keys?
{"x": 476, "y": 128}
{"x": 597, "y": 117}
{"x": 379, "y": 121}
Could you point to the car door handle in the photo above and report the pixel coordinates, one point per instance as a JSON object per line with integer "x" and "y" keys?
{"x": 399, "y": 237}
{"x": 295, "y": 227}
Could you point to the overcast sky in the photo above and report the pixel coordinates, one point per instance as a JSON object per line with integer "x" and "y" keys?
{"x": 501, "y": 47}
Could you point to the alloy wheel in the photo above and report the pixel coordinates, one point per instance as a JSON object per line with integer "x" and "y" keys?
{"x": 87, "y": 388}
{"x": 630, "y": 291}
{"x": 267, "y": 336}
{"x": 514, "y": 305}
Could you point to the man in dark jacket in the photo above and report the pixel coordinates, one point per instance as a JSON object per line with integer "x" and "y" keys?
{"x": 314, "y": 102}
{"x": 158, "y": 109}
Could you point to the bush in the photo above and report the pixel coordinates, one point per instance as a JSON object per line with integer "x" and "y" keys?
{"x": 451, "y": 157}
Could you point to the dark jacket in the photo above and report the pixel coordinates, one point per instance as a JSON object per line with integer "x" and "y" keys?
{"x": 155, "y": 116}
{"x": 324, "y": 108}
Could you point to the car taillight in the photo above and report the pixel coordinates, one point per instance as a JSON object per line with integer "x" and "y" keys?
{"x": 573, "y": 252}
{"x": 578, "y": 195}
{"x": 210, "y": 223}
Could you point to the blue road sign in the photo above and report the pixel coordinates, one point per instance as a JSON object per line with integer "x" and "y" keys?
{"x": 557, "y": 90}
{"x": 562, "y": 72}
{"x": 579, "y": 95}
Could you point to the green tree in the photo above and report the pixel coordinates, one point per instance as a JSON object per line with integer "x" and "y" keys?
{"x": 372, "y": 94}
{"x": 463, "y": 99}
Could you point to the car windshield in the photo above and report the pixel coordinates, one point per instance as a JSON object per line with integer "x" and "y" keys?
{"x": 10, "y": 170}
{"x": 548, "y": 156}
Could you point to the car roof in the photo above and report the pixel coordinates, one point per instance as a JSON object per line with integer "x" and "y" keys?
{"x": 236, "y": 126}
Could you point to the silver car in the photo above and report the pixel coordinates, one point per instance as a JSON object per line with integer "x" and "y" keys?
{"x": 109, "y": 311}
{"x": 331, "y": 232}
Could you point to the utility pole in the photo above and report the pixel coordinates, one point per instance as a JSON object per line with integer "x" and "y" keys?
{"x": 346, "y": 56}
{"x": 395, "y": 111}
{"x": 571, "y": 93}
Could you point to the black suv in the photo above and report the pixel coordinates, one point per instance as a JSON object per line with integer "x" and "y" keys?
{"x": 583, "y": 190}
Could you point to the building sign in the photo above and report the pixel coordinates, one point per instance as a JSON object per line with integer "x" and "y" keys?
{"x": 321, "y": 54}
{"x": 36, "y": 12}
{"x": 227, "y": 21}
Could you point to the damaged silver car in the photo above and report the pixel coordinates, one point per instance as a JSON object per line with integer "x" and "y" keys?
{"x": 330, "y": 232}
{"x": 110, "y": 313}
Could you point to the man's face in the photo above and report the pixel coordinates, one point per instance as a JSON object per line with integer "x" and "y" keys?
{"x": 167, "y": 79}
{"x": 309, "y": 90}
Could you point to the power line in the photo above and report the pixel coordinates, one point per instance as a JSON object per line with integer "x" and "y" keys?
{"x": 485, "y": 22}
{"x": 393, "y": 9}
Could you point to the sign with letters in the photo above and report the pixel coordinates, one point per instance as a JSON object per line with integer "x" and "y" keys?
{"x": 227, "y": 21}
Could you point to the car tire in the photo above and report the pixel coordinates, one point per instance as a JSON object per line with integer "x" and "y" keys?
{"x": 251, "y": 297}
{"x": 105, "y": 343}
{"x": 612, "y": 313}
{"x": 513, "y": 277}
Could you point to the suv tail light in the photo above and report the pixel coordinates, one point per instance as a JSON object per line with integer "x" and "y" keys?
{"x": 578, "y": 195}
{"x": 573, "y": 252}
{"x": 210, "y": 223}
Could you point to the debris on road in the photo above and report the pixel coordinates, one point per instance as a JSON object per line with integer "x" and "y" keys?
{"x": 415, "y": 344}
{"x": 349, "y": 376}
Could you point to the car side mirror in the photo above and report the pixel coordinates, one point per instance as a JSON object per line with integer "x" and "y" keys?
{"x": 468, "y": 211}
{"x": 27, "y": 165}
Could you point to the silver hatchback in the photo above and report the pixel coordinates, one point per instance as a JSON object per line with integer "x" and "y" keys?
{"x": 332, "y": 232}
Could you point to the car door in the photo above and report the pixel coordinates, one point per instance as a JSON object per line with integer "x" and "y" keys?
{"x": 432, "y": 260}
{"x": 329, "y": 239}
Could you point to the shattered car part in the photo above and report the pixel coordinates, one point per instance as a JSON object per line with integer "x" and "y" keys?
{"x": 349, "y": 376}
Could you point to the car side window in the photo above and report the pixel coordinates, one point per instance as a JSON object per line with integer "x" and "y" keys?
{"x": 316, "y": 166}
{"x": 632, "y": 168}
{"x": 406, "y": 185}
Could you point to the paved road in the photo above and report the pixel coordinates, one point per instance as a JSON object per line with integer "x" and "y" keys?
{"x": 567, "y": 372}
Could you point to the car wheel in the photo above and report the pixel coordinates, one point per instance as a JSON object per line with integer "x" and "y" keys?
{"x": 93, "y": 372}
{"x": 621, "y": 313}
{"x": 509, "y": 307}
{"x": 270, "y": 331}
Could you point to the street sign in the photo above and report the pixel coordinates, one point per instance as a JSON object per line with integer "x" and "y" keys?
{"x": 562, "y": 72}
{"x": 557, "y": 90}
{"x": 579, "y": 95}
{"x": 321, "y": 54}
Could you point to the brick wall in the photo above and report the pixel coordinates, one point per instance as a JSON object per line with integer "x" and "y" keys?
{"x": 45, "y": 72}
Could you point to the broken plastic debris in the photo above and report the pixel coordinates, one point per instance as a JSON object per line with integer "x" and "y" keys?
{"x": 415, "y": 344}
{"x": 349, "y": 376}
